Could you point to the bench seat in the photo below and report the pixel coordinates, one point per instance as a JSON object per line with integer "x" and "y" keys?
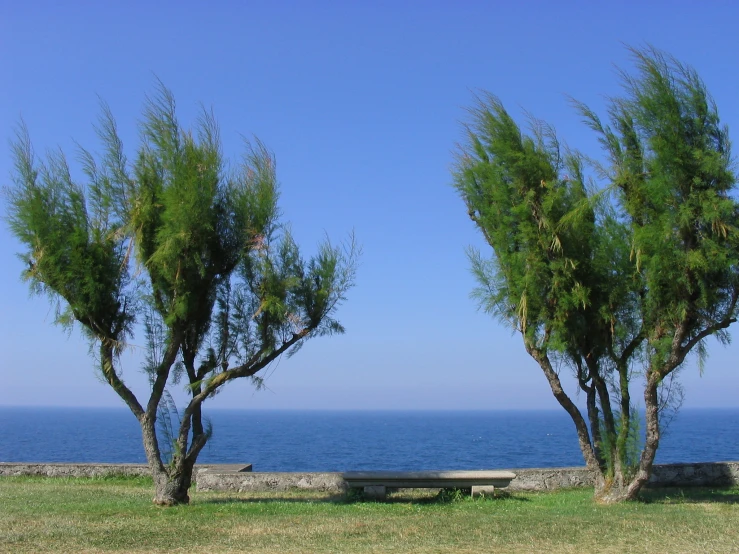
{"x": 376, "y": 483}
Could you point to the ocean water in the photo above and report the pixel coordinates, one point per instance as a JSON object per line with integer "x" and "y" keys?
{"x": 346, "y": 441}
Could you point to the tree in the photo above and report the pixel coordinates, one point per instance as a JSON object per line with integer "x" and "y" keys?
{"x": 613, "y": 283}
{"x": 176, "y": 247}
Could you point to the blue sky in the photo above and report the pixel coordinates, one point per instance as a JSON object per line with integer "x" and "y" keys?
{"x": 362, "y": 104}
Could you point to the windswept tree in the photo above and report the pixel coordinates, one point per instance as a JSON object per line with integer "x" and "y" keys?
{"x": 618, "y": 282}
{"x": 179, "y": 248}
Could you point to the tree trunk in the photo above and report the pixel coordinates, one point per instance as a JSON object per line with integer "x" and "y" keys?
{"x": 625, "y": 429}
{"x": 586, "y": 446}
{"x": 651, "y": 442}
{"x": 621, "y": 489}
{"x": 171, "y": 487}
{"x": 171, "y": 483}
{"x": 613, "y": 491}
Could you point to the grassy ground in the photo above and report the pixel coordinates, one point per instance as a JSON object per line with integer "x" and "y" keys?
{"x": 88, "y": 515}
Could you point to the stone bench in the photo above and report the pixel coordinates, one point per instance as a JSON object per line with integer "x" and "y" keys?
{"x": 223, "y": 468}
{"x": 376, "y": 483}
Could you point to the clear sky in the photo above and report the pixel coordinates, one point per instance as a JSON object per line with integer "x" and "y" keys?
{"x": 361, "y": 103}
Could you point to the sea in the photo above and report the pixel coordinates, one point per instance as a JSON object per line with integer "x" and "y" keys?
{"x": 353, "y": 440}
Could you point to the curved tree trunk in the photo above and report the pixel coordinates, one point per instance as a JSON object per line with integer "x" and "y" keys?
{"x": 586, "y": 446}
{"x": 621, "y": 485}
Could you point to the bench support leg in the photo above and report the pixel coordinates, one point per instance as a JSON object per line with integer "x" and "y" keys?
{"x": 375, "y": 492}
{"x": 487, "y": 490}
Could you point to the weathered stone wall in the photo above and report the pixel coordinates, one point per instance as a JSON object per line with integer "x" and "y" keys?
{"x": 239, "y": 478}
{"x": 544, "y": 479}
{"x": 695, "y": 475}
{"x": 73, "y": 470}
{"x": 267, "y": 481}
{"x": 666, "y": 475}
{"x": 103, "y": 470}
{"x": 535, "y": 479}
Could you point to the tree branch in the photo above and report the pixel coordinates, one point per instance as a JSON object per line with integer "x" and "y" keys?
{"x": 106, "y": 363}
{"x": 555, "y": 384}
{"x": 244, "y": 370}
{"x": 157, "y": 388}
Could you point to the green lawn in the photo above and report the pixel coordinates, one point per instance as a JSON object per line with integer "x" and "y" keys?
{"x": 101, "y": 515}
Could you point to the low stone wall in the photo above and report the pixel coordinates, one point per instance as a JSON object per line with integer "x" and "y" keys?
{"x": 103, "y": 470}
{"x": 239, "y": 478}
{"x": 530, "y": 479}
{"x": 716, "y": 474}
{"x": 270, "y": 481}
{"x": 73, "y": 470}
{"x": 544, "y": 479}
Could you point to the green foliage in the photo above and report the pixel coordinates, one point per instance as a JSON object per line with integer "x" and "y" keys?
{"x": 354, "y": 495}
{"x": 632, "y": 444}
{"x": 168, "y": 420}
{"x": 671, "y": 164}
{"x": 446, "y": 496}
{"x": 604, "y": 281}
{"x": 523, "y": 192}
{"x": 74, "y": 253}
{"x": 193, "y": 249}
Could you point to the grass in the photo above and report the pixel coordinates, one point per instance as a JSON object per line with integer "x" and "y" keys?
{"x": 116, "y": 514}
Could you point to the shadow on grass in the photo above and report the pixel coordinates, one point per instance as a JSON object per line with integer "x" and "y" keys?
{"x": 327, "y": 499}
{"x": 667, "y": 495}
{"x": 453, "y": 499}
{"x": 356, "y": 496}
{"x": 690, "y": 495}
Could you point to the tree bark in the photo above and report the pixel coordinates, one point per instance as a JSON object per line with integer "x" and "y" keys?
{"x": 586, "y": 447}
{"x": 623, "y": 433}
{"x": 651, "y": 443}
{"x": 624, "y": 489}
{"x": 172, "y": 488}
{"x": 171, "y": 483}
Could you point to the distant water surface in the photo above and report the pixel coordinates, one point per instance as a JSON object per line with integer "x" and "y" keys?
{"x": 358, "y": 440}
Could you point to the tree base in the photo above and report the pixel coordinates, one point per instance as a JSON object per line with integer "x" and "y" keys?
{"x": 172, "y": 490}
{"x": 170, "y": 501}
{"x": 613, "y": 494}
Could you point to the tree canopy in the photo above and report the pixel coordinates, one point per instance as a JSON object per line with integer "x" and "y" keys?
{"x": 616, "y": 280}
{"x": 179, "y": 247}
